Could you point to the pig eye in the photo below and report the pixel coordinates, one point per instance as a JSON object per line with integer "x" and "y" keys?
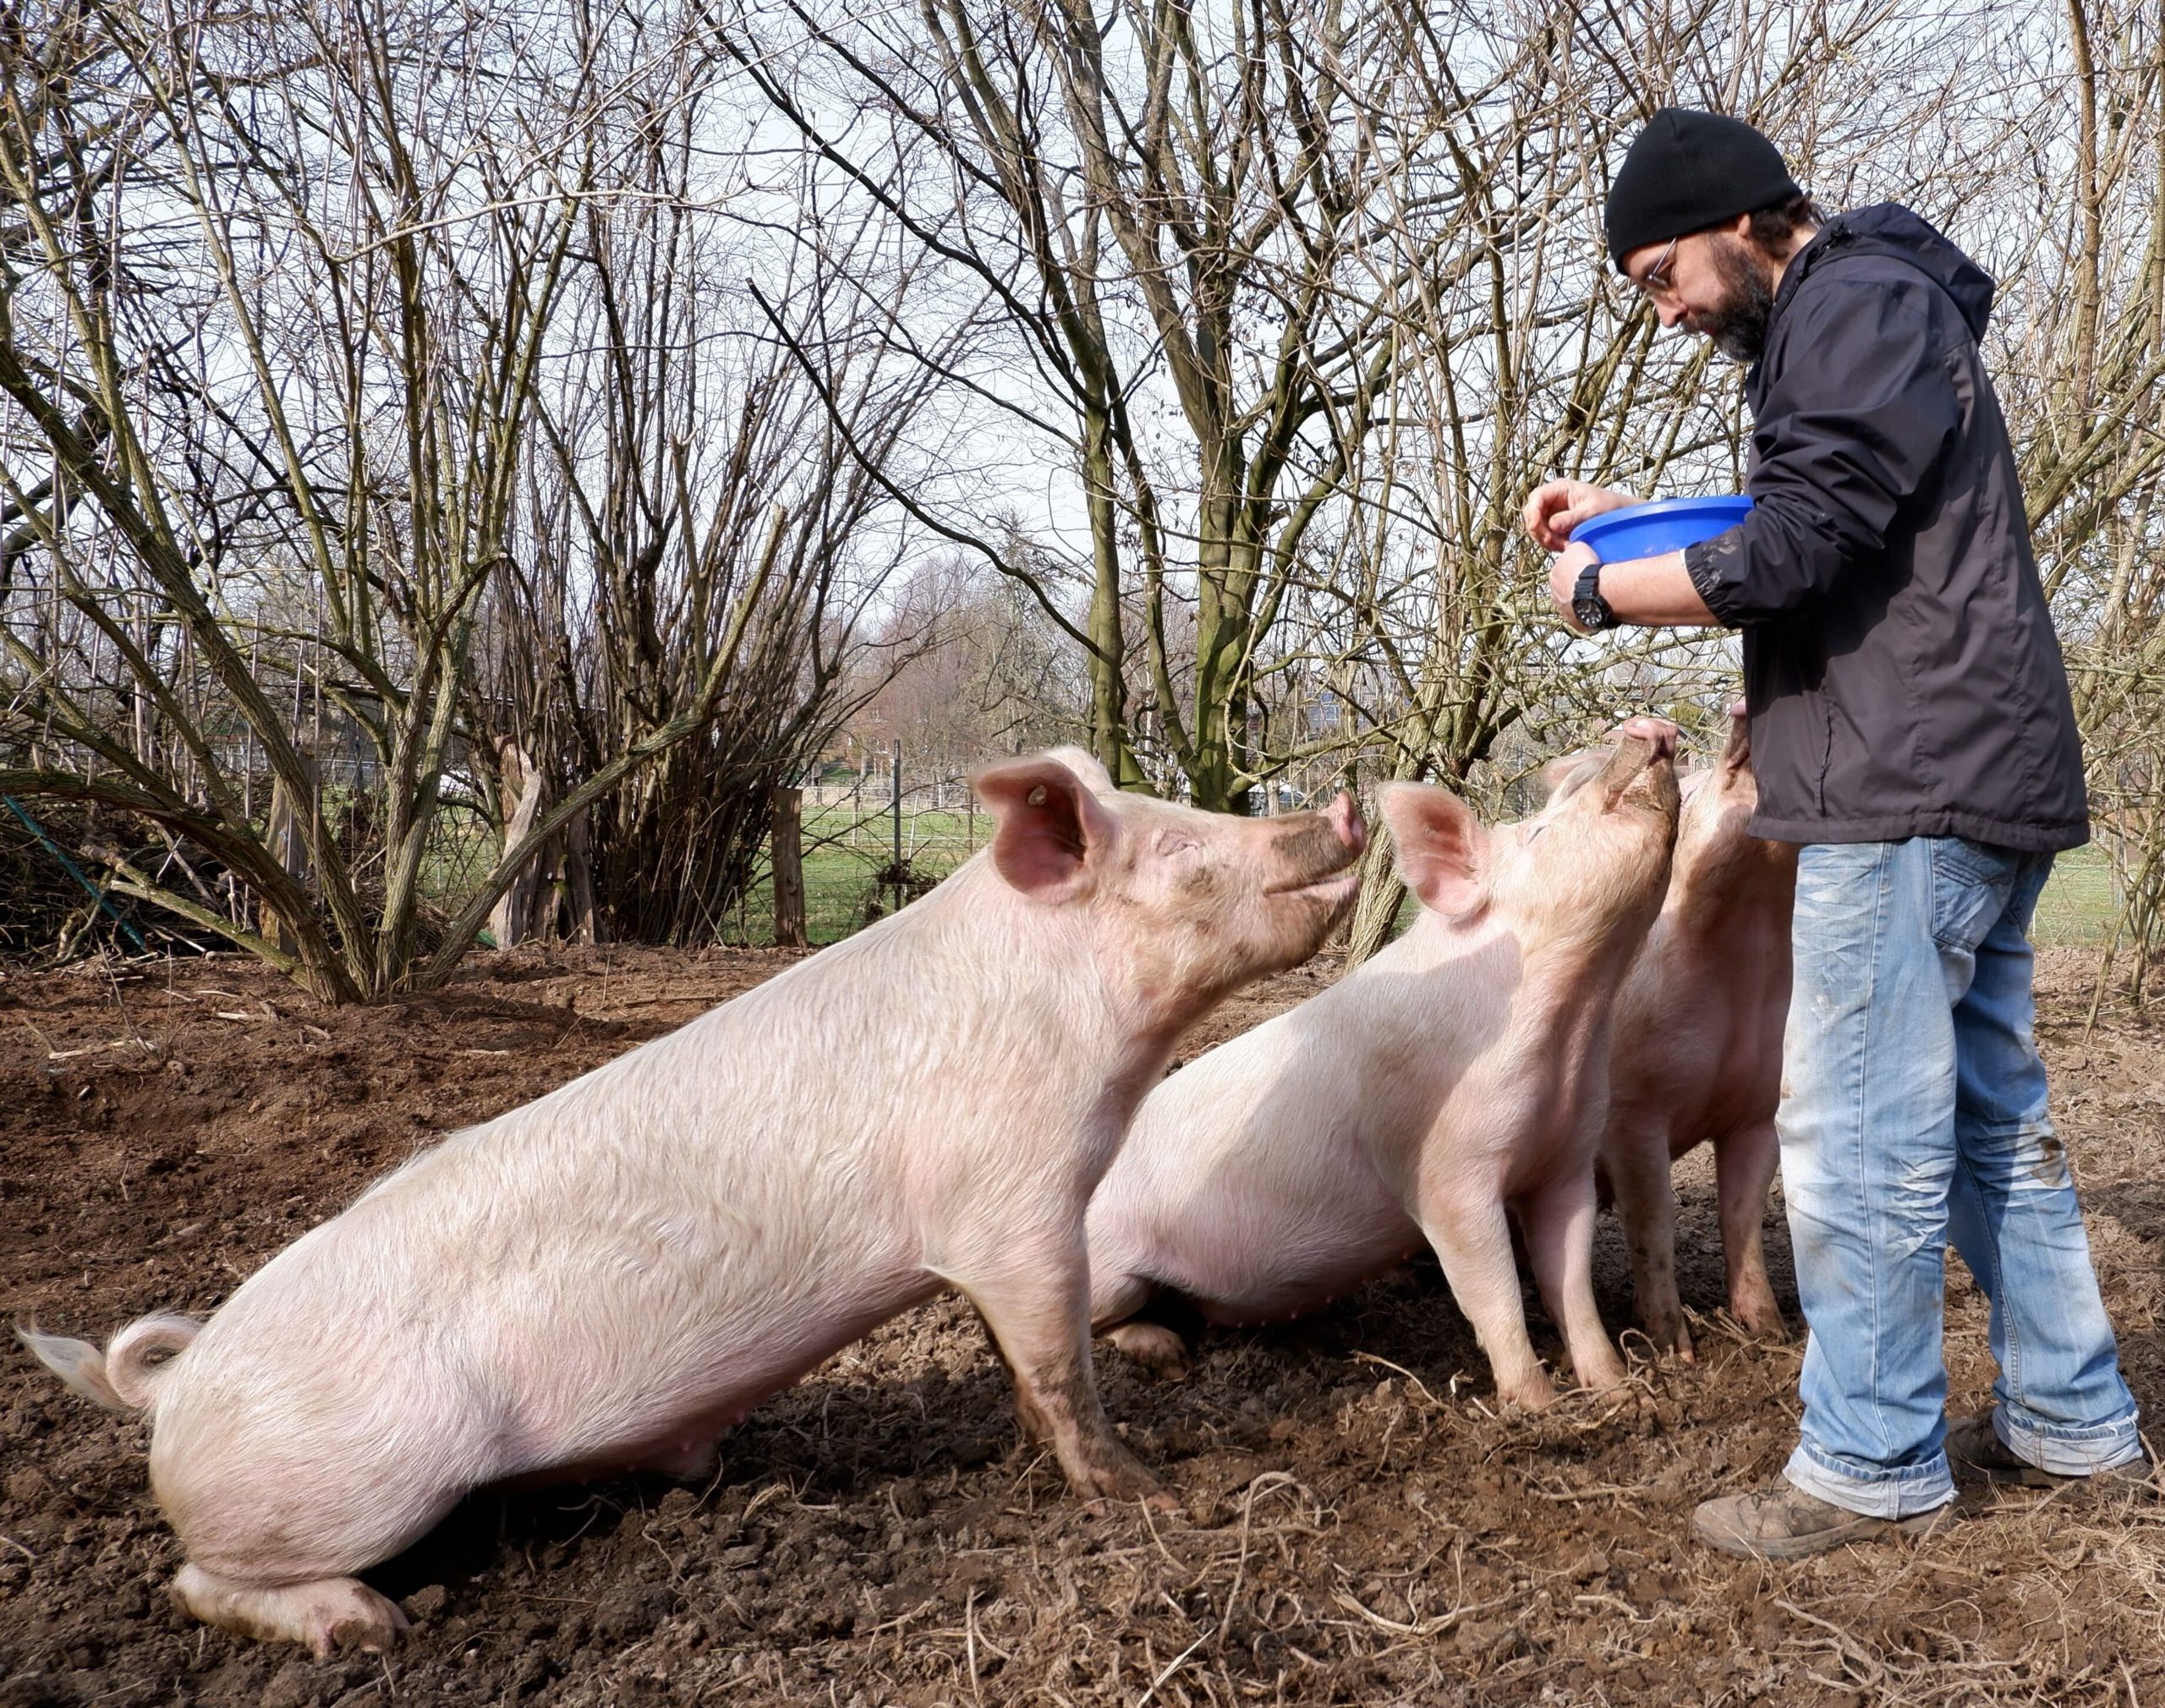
{"x": 1172, "y": 842}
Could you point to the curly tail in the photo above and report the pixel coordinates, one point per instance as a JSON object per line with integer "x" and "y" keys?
{"x": 126, "y": 1375}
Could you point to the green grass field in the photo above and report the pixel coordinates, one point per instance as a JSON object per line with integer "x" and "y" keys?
{"x": 841, "y": 886}
{"x": 2078, "y": 907}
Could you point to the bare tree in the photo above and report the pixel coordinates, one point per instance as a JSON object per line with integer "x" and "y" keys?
{"x": 282, "y": 335}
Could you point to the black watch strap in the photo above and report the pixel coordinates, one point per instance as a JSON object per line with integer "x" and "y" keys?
{"x": 1587, "y": 605}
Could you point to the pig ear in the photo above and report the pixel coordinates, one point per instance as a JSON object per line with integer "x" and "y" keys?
{"x": 1050, "y": 826}
{"x": 1439, "y": 849}
{"x": 1085, "y": 766}
{"x": 1558, "y": 775}
{"x": 1550, "y": 777}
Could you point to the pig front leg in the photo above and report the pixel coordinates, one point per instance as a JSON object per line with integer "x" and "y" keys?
{"x": 1559, "y": 1223}
{"x": 1034, "y": 1296}
{"x": 1745, "y": 1163}
{"x": 1638, "y": 1164}
{"x": 1471, "y": 1237}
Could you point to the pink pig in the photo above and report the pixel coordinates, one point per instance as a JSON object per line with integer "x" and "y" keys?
{"x": 1698, "y": 1050}
{"x": 608, "y": 1277}
{"x": 1454, "y": 1080}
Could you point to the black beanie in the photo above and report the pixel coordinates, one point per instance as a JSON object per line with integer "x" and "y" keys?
{"x": 1687, "y": 171}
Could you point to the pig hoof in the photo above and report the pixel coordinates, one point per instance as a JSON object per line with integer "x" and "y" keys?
{"x": 1154, "y": 1346}
{"x": 328, "y": 1615}
{"x": 1605, "y": 1378}
{"x": 1157, "y": 1499}
{"x": 1678, "y": 1345}
{"x": 1113, "y": 1473}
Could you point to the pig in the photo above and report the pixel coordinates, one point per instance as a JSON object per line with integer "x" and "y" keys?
{"x": 1453, "y": 1081}
{"x": 1698, "y": 1049}
{"x": 604, "y": 1280}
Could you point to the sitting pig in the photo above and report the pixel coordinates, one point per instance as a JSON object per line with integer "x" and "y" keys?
{"x": 1698, "y": 1049}
{"x": 1457, "y": 1078}
{"x": 605, "y": 1279}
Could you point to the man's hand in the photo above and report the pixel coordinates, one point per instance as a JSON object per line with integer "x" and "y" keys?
{"x": 1563, "y": 578}
{"x": 1558, "y": 506}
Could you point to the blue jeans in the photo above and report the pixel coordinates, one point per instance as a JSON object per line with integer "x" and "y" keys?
{"x": 1913, "y": 1107}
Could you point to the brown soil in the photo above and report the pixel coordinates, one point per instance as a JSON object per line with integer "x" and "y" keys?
{"x": 1360, "y": 1526}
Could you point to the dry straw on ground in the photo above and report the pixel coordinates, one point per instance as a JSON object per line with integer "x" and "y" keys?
{"x": 1359, "y": 1526}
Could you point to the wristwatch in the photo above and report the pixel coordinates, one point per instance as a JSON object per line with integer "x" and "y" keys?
{"x": 1588, "y": 608}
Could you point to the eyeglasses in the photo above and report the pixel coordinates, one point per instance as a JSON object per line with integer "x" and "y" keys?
{"x": 1655, "y": 280}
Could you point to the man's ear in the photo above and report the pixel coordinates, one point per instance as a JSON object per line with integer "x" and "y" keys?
{"x": 1439, "y": 848}
{"x": 1052, "y": 833}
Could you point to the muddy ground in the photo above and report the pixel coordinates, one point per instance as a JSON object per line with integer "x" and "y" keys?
{"x": 1359, "y": 1525}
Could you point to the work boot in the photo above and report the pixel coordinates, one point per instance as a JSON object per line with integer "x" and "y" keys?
{"x": 1974, "y": 1449}
{"x": 1782, "y": 1522}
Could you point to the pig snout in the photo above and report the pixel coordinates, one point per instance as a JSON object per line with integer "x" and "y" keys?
{"x": 1658, "y": 732}
{"x": 1325, "y": 844}
{"x": 1344, "y": 816}
{"x": 1644, "y": 757}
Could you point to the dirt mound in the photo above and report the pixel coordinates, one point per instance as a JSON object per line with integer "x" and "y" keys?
{"x": 1359, "y": 1526}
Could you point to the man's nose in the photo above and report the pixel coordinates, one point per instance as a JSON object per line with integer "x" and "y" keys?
{"x": 1671, "y": 313}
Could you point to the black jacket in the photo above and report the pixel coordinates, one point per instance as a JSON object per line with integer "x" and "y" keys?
{"x": 1900, "y": 662}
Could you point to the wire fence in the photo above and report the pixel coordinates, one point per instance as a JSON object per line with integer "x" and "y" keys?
{"x": 869, "y": 847}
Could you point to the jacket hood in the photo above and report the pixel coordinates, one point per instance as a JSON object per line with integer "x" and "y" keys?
{"x": 1890, "y": 229}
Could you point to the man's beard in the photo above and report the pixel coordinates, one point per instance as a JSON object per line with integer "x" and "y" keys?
{"x": 1739, "y": 326}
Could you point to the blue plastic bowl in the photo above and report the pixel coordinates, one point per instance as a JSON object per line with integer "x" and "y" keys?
{"x": 1669, "y": 524}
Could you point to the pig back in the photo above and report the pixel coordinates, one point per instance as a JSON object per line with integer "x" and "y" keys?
{"x": 1277, "y": 1170}
{"x": 679, "y": 1232}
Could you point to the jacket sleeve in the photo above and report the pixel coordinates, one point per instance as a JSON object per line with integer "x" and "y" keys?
{"x": 1857, "y": 423}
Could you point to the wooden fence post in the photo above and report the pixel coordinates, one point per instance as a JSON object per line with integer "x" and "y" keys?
{"x": 895, "y": 781}
{"x": 513, "y": 920}
{"x": 788, "y": 846}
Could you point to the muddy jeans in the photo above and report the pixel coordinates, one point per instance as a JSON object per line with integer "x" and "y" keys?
{"x": 1913, "y": 1106}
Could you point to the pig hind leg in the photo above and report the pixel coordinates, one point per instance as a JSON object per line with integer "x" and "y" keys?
{"x": 1638, "y": 1165}
{"x": 327, "y": 1614}
{"x": 1745, "y": 1163}
{"x": 1473, "y": 1240}
{"x": 1560, "y": 1242}
{"x": 1153, "y": 1345}
{"x": 1118, "y": 1304}
{"x": 1035, "y": 1301}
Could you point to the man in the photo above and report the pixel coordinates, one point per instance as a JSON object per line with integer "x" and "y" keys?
{"x": 1911, "y": 729}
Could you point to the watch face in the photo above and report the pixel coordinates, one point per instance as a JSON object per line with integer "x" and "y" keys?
{"x": 1591, "y": 612}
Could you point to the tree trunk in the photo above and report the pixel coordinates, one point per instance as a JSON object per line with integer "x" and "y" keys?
{"x": 578, "y": 881}
{"x": 1381, "y": 893}
{"x": 788, "y": 845}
